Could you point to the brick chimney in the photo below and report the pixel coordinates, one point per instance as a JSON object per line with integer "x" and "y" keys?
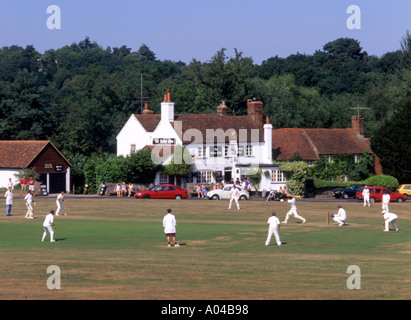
{"x": 357, "y": 123}
{"x": 222, "y": 109}
{"x": 255, "y": 109}
{"x": 146, "y": 110}
{"x": 167, "y": 108}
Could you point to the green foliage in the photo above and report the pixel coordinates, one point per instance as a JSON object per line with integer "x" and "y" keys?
{"x": 297, "y": 172}
{"x": 388, "y": 182}
{"x": 181, "y": 164}
{"x": 27, "y": 172}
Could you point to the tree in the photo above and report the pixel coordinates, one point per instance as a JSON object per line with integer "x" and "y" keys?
{"x": 390, "y": 144}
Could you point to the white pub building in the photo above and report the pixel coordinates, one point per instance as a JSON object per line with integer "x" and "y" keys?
{"x": 222, "y": 147}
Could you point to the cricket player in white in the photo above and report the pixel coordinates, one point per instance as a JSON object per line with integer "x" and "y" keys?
{"x": 234, "y": 196}
{"x": 170, "y": 225}
{"x": 341, "y": 216}
{"x": 390, "y": 218}
{"x": 59, "y": 202}
{"x": 48, "y": 226}
{"x": 29, "y": 204}
{"x": 366, "y": 196}
{"x": 293, "y": 210}
{"x": 386, "y": 201}
{"x": 273, "y": 229}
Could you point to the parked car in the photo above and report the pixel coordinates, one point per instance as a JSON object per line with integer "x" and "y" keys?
{"x": 376, "y": 194}
{"x": 224, "y": 193}
{"x": 162, "y": 191}
{"x": 405, "y": 189}
{"x": 348, "y": 192}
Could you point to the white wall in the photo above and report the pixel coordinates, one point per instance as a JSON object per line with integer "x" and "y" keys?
{"x": 6, "y": 174}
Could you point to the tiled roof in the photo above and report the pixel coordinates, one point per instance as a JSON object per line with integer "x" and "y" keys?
{"x": 20, "y": 153}
{"x": 310, "y": 143}
{"x": 202, "y": 122}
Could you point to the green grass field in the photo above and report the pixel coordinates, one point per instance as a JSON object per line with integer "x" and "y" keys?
{"x": 114, "y": 248}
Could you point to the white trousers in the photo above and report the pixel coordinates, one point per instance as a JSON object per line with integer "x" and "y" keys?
{"x": 339, "y": 221}
{"x": 271, "y": 232}
{"x": 385, "y": 207}
{"x": 367, "y": 201}
{"x": 236, "y": 202}
{"x": 60, "y": 206}
{"x": 393, "y": 221}
{"x": 29, "y": 213}
{"x": 292, "y": 212}
{"x": 50, "y": 230}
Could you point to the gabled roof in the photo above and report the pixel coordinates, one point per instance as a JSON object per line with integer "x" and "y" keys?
{"x": 202, "y": 122}
{"x": 21, "y": 153}
{"x": 311, "y": 143}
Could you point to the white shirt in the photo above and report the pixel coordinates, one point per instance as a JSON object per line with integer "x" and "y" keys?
{"x": 29, "y": 198}
{"x": 390, "y": 215}
{"x": 366, "y": 193}
{"x": 169, "y": 223}
{"x": 234, "y": 193}
{"x": 342, "y": 214}
{"x": 60, "y": 197}
{"x": 292, "y": 203}
{"x": 9, "y": 197}
{"x": 386, "y": 198}
{"x": 48, "y": 220}
{"x": 274, "y": 222}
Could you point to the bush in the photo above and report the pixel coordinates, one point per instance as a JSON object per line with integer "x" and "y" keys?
{"x": 385, "y": 181}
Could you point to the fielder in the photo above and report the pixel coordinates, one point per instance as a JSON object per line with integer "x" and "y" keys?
{"x": 48, "y": 226}
{"x": 366, "y": 196}
{"x": 234, "y": 196}
{"x": 170, "y": 225}
{"x": 340, "y": 217}
{"x": 386, "y": 201}
{"x": 29, "y": 204}
{"x": 273, "y": 229}
{"x": 389, "y": 218}
{"x": 59, "y": 202}
{"x": 293, "y": 210}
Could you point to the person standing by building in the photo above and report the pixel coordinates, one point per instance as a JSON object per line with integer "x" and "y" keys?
{"x": 234, "y": 196}
{"x": 293, "y": 210}
{"x": 340, "y": 217}
{"x": 23, "y": 184}
{"x": 273, "y": 229}
{"x": 386, "y": 201}
{"x": 48, "y": 226}
{"x": 389, "y": 217}
{"x": 59, "y": 202}
{"x": 31, "y": 184}
{"x": 29, "y": 204}
{"x": 170, "y": 226}
{"x": 366, "y": 196}
{"x": 9, "y": 200}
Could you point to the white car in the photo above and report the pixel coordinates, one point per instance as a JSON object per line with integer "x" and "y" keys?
{"x": 224, "y": 193}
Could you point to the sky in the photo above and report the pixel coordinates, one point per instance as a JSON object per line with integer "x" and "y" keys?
{"x": 183, "y": 30}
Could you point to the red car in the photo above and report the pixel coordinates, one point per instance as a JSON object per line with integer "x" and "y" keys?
{"x": 376, "y": 194}
{"x": 162, "y": 191}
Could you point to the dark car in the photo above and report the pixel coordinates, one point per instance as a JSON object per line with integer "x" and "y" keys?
{"x": 348, "y": 192}
{"x": 162, "y": 191}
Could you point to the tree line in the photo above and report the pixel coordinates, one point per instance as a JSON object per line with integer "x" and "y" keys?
{"x": 81, "y": 95}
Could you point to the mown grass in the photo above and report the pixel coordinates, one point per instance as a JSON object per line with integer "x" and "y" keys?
{"x": 115, "y": 249}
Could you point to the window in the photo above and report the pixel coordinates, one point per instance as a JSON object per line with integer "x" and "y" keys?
{"x": 202, "y": 152}
{"x": 226, "y": 151}
{"x": 171, "y": 188}
{"x": 310, "y": 163}
{"x": 163, "y": 178}
{"x": 133, "y": 148}
{"x": 204, "y": 176}
{"x": 248, "y": 150}
{"x": 330, "y": 158}
{"x": 278, "y": 176}
{"x": 357, "y": 157}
